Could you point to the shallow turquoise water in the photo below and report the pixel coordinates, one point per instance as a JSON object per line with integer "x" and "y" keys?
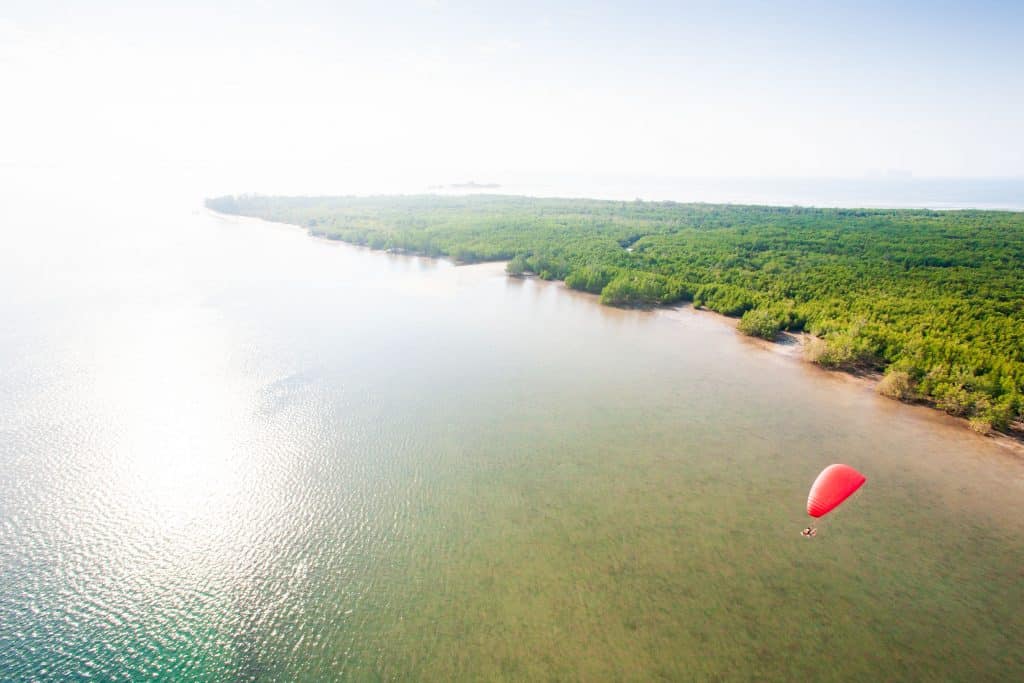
{"x": 230, "y": 451}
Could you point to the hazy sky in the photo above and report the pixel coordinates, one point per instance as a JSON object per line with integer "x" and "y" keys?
{"x": 480, "y": 90}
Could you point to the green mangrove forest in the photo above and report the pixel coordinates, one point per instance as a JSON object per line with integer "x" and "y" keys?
{"x": 933, "y": 298}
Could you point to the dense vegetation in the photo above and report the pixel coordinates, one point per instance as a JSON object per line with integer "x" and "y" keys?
{"x": 934, "y": 298}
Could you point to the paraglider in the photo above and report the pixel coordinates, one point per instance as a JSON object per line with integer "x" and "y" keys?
{"x": 835, "y": 484}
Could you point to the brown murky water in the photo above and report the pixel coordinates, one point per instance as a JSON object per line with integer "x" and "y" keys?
{"x": 231, "y": 451}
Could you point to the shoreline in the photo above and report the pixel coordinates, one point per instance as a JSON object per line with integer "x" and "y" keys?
{"x": 787, "y": 346}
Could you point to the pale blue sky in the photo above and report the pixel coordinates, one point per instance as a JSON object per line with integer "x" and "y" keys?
{"x": 459, "y": 90}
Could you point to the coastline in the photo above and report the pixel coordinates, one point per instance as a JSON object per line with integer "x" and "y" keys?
{"x": 787, "y": 346}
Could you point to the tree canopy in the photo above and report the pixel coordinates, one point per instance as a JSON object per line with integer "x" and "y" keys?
{"x": 937, "y": 296}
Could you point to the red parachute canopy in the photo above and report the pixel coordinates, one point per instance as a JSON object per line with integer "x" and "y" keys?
{"x": 832, "y": 487}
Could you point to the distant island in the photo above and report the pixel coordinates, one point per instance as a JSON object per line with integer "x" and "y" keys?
{"x": 934, "y": 299}
{"x": 468, "y": 185}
